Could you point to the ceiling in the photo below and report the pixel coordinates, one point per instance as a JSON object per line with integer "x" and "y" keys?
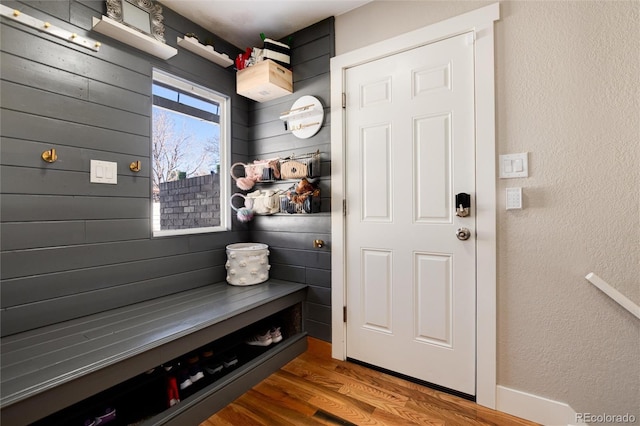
{"x": 240, "y": 22}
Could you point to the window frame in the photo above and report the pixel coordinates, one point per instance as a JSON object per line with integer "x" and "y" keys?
{"x": 224, "y": 102}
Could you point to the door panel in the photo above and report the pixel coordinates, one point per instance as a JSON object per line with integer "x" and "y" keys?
{"x": 432, "y": 154}
{"x": 410, "y": 148}
{"x": 376, "y": 289}
{"x": 376, "y": 173}
{"x": 430, "y": 79}
{"x": 433, "y": 288}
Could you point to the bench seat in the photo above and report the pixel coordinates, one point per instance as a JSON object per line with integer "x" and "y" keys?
{"x": 49, "y": 368}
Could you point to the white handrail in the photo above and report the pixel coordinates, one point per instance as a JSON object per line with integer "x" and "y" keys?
{"x": 620, "y": 298}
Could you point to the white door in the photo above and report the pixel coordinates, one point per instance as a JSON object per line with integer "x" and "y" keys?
{"x": 411, "y": 291}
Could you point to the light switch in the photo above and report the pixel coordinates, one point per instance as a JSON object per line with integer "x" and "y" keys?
{"x": 104, "y": 172}
{"x": 514, "y": 165}
{"x": 517, "y": 165}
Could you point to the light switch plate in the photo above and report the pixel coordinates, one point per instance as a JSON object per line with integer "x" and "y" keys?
{"x": 514, "y": 165}
{"x": 514, "y": 198}
{"x": 104, "y": 172}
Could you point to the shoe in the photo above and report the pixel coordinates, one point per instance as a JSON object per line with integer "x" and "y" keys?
{"x": 89, "y": 422}
{"x": 230, "y": 361}
{"x": 276, "y": 334}
{"x": 195, "y": 373}
{"x": 213, "y": 368}
{"x": 260, "y": 339}
{"x": 109, "y": 415}
{"x": 170, "y": 366}
{"x": 173, "y": 397}
{"x": 184, "y": 380}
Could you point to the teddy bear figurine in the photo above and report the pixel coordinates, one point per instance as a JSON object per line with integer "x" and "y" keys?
{"x": 302, "y": 191}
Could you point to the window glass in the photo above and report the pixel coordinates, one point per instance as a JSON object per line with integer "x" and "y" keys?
{"x": 190, "y": 145}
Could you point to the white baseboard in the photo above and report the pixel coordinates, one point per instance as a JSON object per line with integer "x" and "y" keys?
{"x": 535, "y": 408}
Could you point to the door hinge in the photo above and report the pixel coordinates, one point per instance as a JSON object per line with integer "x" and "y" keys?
{"x": 344, "y": 100}
{"x": 344, "y": 314}
{"x": 344, "y": 207}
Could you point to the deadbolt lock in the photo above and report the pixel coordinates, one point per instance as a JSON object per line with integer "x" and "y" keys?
{"x": 463, "y": 204}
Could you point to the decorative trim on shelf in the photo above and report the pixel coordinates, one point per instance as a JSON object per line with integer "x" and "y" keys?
{"x": 133, "y": 38}
{"x": 46, "y": 27}
{"x": 193, "y": 45}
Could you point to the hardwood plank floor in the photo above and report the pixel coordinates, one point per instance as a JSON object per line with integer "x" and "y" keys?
{"x": 315, "y": 389}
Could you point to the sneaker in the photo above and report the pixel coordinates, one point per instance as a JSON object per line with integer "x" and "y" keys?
{"x": 230, "y": 361}
{"x": 184, "y": 380}
{"x": 195, "y": 373}
{"x": 213, "y": 368}
{"x": 276, "y": 334}
{"x": 170, "y": 366}
{"x": 109, "y": 415}
{"x": 260, "y": 339}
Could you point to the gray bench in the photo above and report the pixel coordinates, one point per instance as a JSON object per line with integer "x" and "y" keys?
{"x": 47, "y": 369}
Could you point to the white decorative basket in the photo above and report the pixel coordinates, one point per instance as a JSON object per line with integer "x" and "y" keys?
{"x": 247, "y": 263}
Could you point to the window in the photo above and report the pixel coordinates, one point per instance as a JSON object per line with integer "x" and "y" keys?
{"x": 190, "y": 145}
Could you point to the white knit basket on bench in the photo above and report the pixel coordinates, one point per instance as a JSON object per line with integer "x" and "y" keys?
{"x": 247, "y": 263}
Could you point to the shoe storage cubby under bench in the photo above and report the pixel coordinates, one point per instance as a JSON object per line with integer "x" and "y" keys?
{"x": 64, "y": 373}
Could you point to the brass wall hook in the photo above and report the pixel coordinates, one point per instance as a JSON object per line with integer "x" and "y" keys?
{"x": 135, "y": 166}
{"x": 50, "y": 156}
{"x": 318, "y": 243}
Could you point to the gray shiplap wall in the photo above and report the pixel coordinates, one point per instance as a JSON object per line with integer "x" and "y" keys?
{"x": 68, "y": 247}
{"x": 291, "y": 237}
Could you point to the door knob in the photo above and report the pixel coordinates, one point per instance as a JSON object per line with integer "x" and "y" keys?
{"x": 463, "y": 234}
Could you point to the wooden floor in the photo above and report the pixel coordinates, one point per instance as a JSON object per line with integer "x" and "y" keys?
{"x": 315, "y": 389}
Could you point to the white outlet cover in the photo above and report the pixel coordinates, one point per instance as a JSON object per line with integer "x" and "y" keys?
{"x": 104, "y": 172}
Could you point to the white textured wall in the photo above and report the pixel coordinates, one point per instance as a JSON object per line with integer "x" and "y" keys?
{"x": 567, "y": 92}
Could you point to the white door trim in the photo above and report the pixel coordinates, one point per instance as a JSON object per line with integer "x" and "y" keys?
{"x": 480, "y": 22}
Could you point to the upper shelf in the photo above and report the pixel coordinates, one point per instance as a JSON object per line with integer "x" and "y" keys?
{"x": 193, "y": 45}
{"x": 133, "y": 38}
